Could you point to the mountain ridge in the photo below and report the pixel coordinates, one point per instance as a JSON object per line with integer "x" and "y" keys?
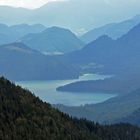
{"x": 53, "y": 39}
{"x": 113, "y": 30}
{"x": 86, "y": 19}
{"x": 19, "y": 62}
{"x": 109, "y": 56}
{"x": 12, "y": 33}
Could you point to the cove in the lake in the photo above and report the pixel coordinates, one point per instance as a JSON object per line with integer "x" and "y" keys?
{"x": 46, "y": 90}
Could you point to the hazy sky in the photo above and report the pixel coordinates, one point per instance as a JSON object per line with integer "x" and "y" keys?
{"x": 38, "y": 3}
{"x": 25, "y": 3}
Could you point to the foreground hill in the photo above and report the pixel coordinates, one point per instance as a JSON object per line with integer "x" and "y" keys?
{"x": 12, "y": 33}
{"x": 24, "y": 116}
{"x": 53, "y": 40}
{"x": 114, "y": 30}
{"x": 19, "y": 62}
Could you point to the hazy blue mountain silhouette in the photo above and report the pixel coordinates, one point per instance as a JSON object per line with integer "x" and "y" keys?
{"x": 12, "y": 33}
{"x": 18, "y": 62}
{"x": 53, "y": 40}
{"x": 64, "y": 14}
{"x": 110, "y": 56}
{"x": 114, "y": 30}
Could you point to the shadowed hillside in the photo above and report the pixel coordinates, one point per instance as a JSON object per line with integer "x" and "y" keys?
{"x": 19, "y": 62}
{"x": 53, "y": 40}
{"x": 24, "y": 116}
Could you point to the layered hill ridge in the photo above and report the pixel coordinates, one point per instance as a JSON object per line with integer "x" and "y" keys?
{"x": 19, "y": 62}
{"x": 24, "y": 116}
{"x": 119, "y": 57}
{"x": 110, "y": 56}
{"x": 132, "y": 37}
{"x": 81, "y": 21}
{"x": 19, "y": 47}
{"x": 103, "y": 55}
{"x": 53, "y": 40}
{"x": 113, "y": 30}
{"x": 9, "y": 34}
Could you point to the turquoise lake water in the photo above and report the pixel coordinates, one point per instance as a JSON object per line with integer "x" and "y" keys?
{"x": 46, "y": 90}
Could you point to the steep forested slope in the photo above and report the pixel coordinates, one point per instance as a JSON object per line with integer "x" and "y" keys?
{"x": 24, "y": 116}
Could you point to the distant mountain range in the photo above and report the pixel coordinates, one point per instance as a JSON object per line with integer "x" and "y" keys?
{"x": 65, "y": 14}
{"x": 103, "y": 55}
{"x": 9, "y": 34}
{"x": 19, "y": 62}
{"x": 53, "y": 40}
{"x": 113, "y": 30}
{"x": 108, "y": 56}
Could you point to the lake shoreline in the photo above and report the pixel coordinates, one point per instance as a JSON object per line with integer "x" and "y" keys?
{"x": 46, "y": 90}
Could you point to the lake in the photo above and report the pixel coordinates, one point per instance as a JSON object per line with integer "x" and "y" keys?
{"x": 46, "y": 90}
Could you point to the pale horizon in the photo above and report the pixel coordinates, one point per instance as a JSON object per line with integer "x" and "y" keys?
{"x": 89, "y": 14}
{"x": 29, "y": 4}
